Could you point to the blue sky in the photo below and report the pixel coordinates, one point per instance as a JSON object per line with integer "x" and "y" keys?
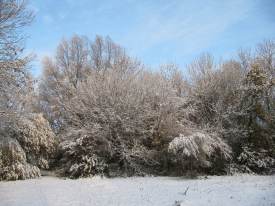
{"x": 155, "y": 31}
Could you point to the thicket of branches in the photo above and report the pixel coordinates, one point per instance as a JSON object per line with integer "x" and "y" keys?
{"x": 115, "y": 116}
{"x": 97, "y": 110}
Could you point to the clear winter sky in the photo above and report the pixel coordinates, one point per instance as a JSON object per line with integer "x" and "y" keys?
{"x": 155, "y": 31}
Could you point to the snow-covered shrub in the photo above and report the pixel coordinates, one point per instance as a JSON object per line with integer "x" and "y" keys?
{"x": 25, "y": 146}
{"x": 88, "y": 165}
{"x": 37, "y": 139}
{"x": 234, "y": 168}
{"x": 138, "y": 160}
{"x": 198, "y": 150}
{"x": 79, "y": 157}
{"x": 13, "y": 162}
{"x": 89, "y": 154}
{"x": 256, "y": 161}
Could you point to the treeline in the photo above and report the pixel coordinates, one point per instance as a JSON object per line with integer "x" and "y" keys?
{"x": 96, "y": 110}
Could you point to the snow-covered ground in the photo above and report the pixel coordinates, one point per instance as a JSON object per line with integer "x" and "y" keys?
{"x": 160, "y": 191}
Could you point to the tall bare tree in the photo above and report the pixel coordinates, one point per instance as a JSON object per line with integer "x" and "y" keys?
{"x": 14, "y": 16}
{"x": 14, "y": 80}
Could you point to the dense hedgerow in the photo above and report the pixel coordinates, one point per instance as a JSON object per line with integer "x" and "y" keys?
{"x": 106, "y": 113}
{"x": 113, "y": 115}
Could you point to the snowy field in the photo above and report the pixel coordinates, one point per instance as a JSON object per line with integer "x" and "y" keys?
{"x": 160, "y": 191}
